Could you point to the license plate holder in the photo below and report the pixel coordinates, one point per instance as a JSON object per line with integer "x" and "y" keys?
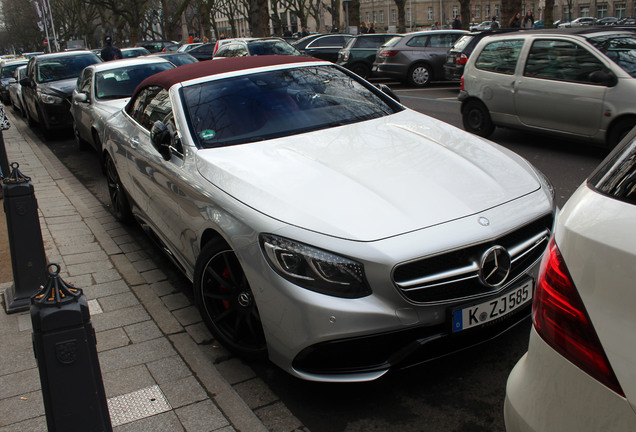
{"x": 493, "y": 309}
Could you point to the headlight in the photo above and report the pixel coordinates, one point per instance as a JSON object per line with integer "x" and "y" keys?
{"x": 315, "y": 269}
{"x": 50, "y": 99}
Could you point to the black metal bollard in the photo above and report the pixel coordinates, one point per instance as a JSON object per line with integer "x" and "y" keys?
{"x": 28, "y": 258}
{"x": 66, "y": 351}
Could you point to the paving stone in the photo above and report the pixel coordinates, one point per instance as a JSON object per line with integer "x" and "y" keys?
{"x": 163, "y": 288}
{"x": 235, "y": 371}
{"x": 144, "y": 265}
{"x": 128, "y": 380}
{"x": 18, "y": 383}
{"x": 105, "y": 289}
{"x": 169, "y": 369}
{"x": 153, "y": 276}
{"x": 106, "y": 276}
{"x": 37, "y": 424}
{"x": 183, "y": 392}
{"x": 143, "y": 331}
{"x": 111, "y": 339}
{"x": 19, "y": 408}
{"x": 188, "y": 316}
{"x": 118, "y": 301}
{"x": 135, "y": 354}
{"x": 200, "y": 333}
{"x": 90, "y": 267}
{"x": 277, "y": 418}
{"x": 176, "y": 301}
{"x": 120, "y": 317}
{"x": 85, "y": 257}
{"x": 255, "y": 393}
{"x": 201, "y": 417}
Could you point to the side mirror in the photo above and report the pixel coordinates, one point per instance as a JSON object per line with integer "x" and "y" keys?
{"x": 25, "y": 82}
{"x": 80, "y": 97}
{"x": 387, "y": 91}
{"x": 160, "y": 137}
{"x": 604, "y": 77}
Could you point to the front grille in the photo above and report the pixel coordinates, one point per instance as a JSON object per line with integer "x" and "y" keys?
{"x": 455, "y": 275}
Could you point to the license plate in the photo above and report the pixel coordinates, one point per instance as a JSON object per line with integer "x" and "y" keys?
{"x": 482, "y": 313}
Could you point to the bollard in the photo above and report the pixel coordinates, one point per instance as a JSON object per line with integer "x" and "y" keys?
{"x": 28, "y": 258}
{"x": 66, "y": 351}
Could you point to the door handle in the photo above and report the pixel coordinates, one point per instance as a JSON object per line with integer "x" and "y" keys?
{"x": 134, "y": 142}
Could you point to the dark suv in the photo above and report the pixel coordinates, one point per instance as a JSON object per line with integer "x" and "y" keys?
{"x": 359, "y": 52}
{"x": 458, "y": 55}
{"x": 48, "y": 86}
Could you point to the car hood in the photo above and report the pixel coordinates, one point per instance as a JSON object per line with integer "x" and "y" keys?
{"x": 370, "y": 180}
{"x": 62, "y": 88}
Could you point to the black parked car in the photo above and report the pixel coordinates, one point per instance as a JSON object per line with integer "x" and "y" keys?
{"x": 48, "y": 87}
{"x": 203, "y": 52}
{"x": 458, "y": 55}
{"x": 322, "y": 46}
{"x": 359, "y": 52}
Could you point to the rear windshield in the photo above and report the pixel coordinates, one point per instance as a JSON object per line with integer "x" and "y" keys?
{"x": 620, "y": 48}
{"x": 279, "y": 103}
{"x": 271, "y": 47}
{"x": 59, "y": 68}
{"x": 393, "y": 41}
{"x": 462, "y": 42}
{"x": 7, "y": 70}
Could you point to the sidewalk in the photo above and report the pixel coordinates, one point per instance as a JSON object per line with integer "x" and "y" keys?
{"x": 161, "y": 369}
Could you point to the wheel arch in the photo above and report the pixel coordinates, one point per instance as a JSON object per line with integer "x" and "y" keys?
{"x": 209, "y": 235}
{"x": 617, "y": 122}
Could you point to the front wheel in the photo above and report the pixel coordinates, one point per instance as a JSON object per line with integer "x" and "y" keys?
{"x": 419, "y": 76}
{"x": 118, "y": 198}
{"x": 225, "y": 300}
{"x": 81, "y": 142}
{"x": 618, "y": 131}
{"x": 361, "y": 70}
{"x": 476, "y": 119}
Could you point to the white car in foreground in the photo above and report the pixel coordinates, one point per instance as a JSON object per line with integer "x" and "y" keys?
{"x": 579, "y": 372}
{"x": 324, "y": 224}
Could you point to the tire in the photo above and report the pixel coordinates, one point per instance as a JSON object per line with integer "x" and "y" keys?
{"x": 48, "y": 133}
{"x": 81, "y": 143}
{"x": 618, "y": 131}
{"x": 29, "y": 119}
{"x": 118, "y": 198}
{"x": 361, "y": 70}
{"x": 476, "y": 119}
{"x": 226, "y": 303}
{"x": 419, "y": 76}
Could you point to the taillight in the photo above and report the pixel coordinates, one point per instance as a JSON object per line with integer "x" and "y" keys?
{"x": 560, "y": 318}
{"x": 462, "y": 59}
{"x": 388, "y": 53}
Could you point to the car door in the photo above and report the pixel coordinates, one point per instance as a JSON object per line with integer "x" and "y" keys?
{"x": 155, "y": 180}
{"x": 555, "y": 91}
{"x": 82, "y": 110}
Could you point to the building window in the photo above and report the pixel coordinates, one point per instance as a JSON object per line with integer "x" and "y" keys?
{"x": 601, "y": 11}
{"x": 408, "y": 15}
{"x": 393, "y": 15}
{"x": 430, "y": 13}
{"x": 496, "y": 10}
{"x": 382, "y": 16}
{"x": 366, "y": 17}
{"x": 477, "y": 12}
{"x": 487, "y": 11}
{"x": 620, "y": 10}
{"x": 375, "y": 17}
{"x": 585, "y": 11}
{"x": 455, "y": 11}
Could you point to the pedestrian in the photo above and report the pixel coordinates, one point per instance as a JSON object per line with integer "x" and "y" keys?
{"x": 4, "y": 125}
{"x": 435, "y": 26}
{"x": 304, "y": 32}
{"x": 457, "y": 23}
{"x": 515, "y": 21}
{"x": 372, "y": 28}
{"x": 363, "y": 28}
{"x": 527, "y": 22}
{"x": 494, "y": 24}
{"x": 110, "y": 52}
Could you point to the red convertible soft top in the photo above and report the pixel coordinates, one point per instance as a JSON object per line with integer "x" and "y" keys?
{"x": 167, "y": 79}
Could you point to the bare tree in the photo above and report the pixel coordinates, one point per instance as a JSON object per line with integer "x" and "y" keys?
{"x": 21, "y": 29}
{"x": 401, "y": 15}
{"x": 509, "y": 8}
{"x": 75, "y": 19}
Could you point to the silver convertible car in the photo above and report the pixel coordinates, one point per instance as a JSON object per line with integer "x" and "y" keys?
{"x": 323, "y": 224}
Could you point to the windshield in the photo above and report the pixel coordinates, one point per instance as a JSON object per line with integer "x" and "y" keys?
{"x": 620, "y": 48}
{"x": 120, "y": 83}
{"x": 59, "y": 68}
{"x": 279, "y": 103}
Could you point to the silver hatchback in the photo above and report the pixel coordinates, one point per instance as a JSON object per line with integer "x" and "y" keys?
{"x": 572, "y": 83}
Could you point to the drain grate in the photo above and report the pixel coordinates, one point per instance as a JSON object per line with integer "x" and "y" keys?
{"x": 137, "y": 405}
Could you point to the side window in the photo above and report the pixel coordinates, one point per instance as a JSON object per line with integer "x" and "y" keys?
{"x": 138, "y": 109}
{"x": 561, "y": 61}
{"x": 224, "y": 51}
{"x": 158, "y": 108}
{"x": 500, "y": 56}
{"x": 418, "y": 42}
{"x": 240, "y": 51}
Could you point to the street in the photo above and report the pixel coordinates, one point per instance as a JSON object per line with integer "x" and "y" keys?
{"x": 463, "y": 392}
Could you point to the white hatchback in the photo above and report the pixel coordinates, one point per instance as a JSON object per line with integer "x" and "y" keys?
{"x": 578, "y": 374}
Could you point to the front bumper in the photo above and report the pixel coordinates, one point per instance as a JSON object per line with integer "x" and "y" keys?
{"x": 56, "y": 116}
{"x": 545, "y": 392}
